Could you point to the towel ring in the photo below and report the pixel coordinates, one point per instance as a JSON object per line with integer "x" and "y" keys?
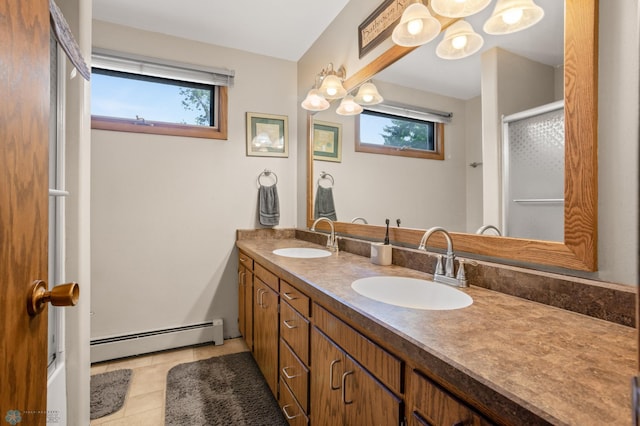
{"x": 327, "y": 176}
{"x": 267, "y": 172}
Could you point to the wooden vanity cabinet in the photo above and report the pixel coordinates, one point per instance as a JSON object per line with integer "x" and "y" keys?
{"x": 428, "y": 404}
{"x": 265, "y": 325}
{"x": 343, "y": 392}
{"x": 245, "y": 298}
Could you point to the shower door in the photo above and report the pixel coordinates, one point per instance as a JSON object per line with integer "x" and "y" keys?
{"x": 533, "y": 173}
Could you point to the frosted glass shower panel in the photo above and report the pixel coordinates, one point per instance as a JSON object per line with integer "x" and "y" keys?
{"x": 533, "y": 179}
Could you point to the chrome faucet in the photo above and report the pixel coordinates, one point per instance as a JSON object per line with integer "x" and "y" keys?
{"x": 355, "y": 219}
{"x": 445, "y": 275}
{"x": 484, "y": 228}
{"x": 332, "y": 242}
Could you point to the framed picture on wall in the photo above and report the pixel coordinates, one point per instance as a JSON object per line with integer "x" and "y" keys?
{"x": 267, "y": 135}
{"x": 327, "y": 141}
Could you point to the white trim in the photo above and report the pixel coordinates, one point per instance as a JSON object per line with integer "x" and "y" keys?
{"x": 533, "y": 112}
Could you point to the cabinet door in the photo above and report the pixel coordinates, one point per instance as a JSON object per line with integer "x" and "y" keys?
{"x": 248, "y": 308}
{"x": 366, "y": 401}
{"x": 430, "y": 404}
{"x": 327, "y": 368}
{"x": 266, "y": 332}
{"x": 242, "y": 271}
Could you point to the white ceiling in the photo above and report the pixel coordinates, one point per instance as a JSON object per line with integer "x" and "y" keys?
{"x": 283, "y": 29}
{"x": 286, "y": 29}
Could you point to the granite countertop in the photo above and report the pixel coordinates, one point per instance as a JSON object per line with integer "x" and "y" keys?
{"x": 505, "y": 352}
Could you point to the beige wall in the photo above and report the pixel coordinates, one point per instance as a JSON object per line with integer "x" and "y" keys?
{"x": 165, "y": 209}
{"x": 617, "y": 121}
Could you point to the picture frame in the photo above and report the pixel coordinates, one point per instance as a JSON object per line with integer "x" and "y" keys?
{"x": 267, "y": 135}
{"x": 327, "y": 141}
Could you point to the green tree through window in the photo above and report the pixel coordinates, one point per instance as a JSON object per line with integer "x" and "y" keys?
{"x": 198, "y": 100}
{"x": 408, "y": 134}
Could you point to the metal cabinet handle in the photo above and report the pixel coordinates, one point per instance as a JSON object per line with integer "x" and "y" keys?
{"x": 259, "y": 295}
{"x": 286, "y": 414}
{"x": 344, "y": 388}
{"x": 287, "y": 375}
{"x": 287, "y": 323}
{"x": 334, "y": 362}
{"x": 288, "y": 296}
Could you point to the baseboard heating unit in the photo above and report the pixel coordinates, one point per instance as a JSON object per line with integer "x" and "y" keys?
{"x": 121, "y": 346}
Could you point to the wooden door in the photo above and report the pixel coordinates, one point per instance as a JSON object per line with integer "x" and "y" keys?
{"x": 327, "y": 368}
{"x": 24, "y": 121}
{"x": 266, "y": 332}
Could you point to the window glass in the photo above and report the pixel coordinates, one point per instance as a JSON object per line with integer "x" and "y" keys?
{"x": 151, "y": 99}
{"x": 390, "y": 134}
{"x": 388, "y": 130}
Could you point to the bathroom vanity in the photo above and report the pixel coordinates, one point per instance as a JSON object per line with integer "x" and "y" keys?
{"x": 332, "y": 356}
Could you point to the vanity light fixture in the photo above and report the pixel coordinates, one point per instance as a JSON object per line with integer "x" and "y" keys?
{"x": 416, "y": 26}
{"x": 459, "y": 41}
{"x": 315, "y": 101}
{"x": 458, "y": 8}
{"x": 510, "y": 16}
{"x": 331, "y": 87}
{"x": 348, "y": 106}
{"x": 368, "y": 95}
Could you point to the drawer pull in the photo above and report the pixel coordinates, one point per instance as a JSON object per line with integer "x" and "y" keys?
{"x": 287, "y": 375}
{"x": 286, "y": 414}
{"x": 334, "y": 362}
{"x": 344, "y": 388}
{"x": 288, "y": 324}
{"x": 289, "y": 297}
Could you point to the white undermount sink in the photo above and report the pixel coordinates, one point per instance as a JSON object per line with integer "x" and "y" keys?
{"x": 412, "y": 293}
{"x": 302, "y": 252}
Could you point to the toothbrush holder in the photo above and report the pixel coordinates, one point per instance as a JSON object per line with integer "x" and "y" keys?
{"x": 381, "y": 254}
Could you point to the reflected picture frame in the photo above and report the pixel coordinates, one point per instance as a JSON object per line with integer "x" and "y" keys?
{"x": 327, "y": 141}
{"x": 267, "y": 135}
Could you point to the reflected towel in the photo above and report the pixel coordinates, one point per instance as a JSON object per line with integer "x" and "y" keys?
{"x": 324, "y": 206}
{"x": 269, "y": 205}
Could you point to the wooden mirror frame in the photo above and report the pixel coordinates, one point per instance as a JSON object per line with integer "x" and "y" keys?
{"x": 579, "y": 249}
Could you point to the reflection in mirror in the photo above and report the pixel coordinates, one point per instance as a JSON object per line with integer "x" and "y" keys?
{"x": 474, "y": 201}
{"x": 424, "y": 193}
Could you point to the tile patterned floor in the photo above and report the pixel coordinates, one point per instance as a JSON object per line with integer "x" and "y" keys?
{"x": 144, "y": 405}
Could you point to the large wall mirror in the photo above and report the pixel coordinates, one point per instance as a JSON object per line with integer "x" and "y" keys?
{"x": 376, "y": 187}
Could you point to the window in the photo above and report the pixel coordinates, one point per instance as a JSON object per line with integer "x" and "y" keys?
{"x": 135, "y": 94}
{"x": 395, "y": 130}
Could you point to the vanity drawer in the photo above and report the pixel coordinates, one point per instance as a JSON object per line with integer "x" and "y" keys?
{"x": 245, "y": 261}
{"x": 386, "y": 367}
{"x": 290, "y": 408}
{"x": 294, "y": 329}
{"x": 429, "y": 404}
{"x": 294, "y": 373}
{"x": 268, "y": 277}
{"x": 298, "y": 300}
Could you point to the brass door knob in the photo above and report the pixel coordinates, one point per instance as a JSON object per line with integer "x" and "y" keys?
{"x": 60, "y": 295}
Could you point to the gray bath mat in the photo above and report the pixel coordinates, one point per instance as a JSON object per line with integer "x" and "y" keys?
{"x": 224, "y": 390}
{"x": 108, "y": 391}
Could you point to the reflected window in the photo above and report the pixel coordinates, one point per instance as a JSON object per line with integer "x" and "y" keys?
{"x": 408, "y": 135}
